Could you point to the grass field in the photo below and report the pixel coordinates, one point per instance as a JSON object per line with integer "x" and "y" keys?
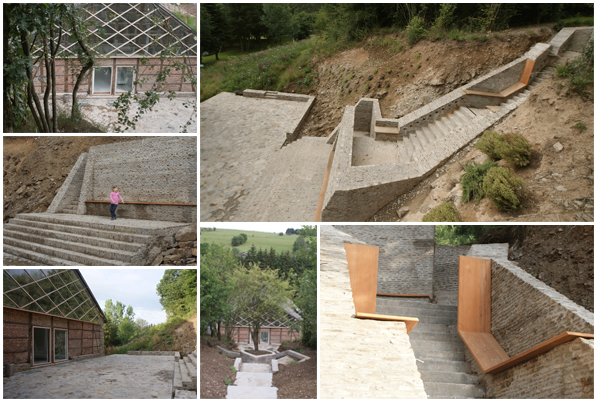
{"x": 259, "y": 239}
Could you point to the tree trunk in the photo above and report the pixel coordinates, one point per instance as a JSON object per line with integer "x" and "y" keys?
{"x": 84, "y": 70}
{"x": 256, "y": 338}
{"x": 53, "y": 51}
{"x": 8, "y": 113}
{"x": 219, "y": 330}
{"x": 32, "y": 94}
{"x": 48, "y": 87}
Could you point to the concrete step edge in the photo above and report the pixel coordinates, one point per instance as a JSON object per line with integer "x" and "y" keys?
{"x": 37, "y": 257}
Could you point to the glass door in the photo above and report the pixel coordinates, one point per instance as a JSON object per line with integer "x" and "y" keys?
{"x": 41, "y": 345}
{"x": 124, "y": 79}
{"x": 60, "y": 347}
{"x": 264, "y": 337}
{"x": 102, "y": 80}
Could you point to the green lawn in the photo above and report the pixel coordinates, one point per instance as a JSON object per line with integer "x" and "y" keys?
{"x": 235, "y": 51}
{"x": 259, "y": 239}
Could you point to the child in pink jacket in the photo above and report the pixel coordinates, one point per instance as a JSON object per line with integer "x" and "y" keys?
{"x": 114, "y": 196}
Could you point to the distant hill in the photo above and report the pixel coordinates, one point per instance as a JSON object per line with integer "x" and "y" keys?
{"x": 262, "y": 240}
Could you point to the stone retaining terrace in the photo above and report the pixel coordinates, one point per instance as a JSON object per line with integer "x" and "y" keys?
{"x": 108, "y": 377}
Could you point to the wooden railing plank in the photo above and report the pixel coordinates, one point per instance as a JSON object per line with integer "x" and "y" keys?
{"x": 144, "y": 203}
{"x": 409, "y": 321}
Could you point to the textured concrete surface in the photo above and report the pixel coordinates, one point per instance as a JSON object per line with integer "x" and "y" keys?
{"x": 109, "y": 377}
{"x": 239, "y": 134}
{"x": 360, "y": 358}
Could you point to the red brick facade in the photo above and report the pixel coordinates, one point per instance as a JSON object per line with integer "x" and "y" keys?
{"x": 83, "y": 338}
{"x": 65, "y": 82}
{"x": 276, "y": 335}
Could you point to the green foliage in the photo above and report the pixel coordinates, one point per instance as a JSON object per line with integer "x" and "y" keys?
{"x": 417, "y": 55}
{"x": 514, "y": 148}
{"x": 389, "y": 70}
{"x": 227, "y": 381}
{"x": 418, "y": 65}
{"x": 580, "y": 72}
{"x": 456, "y": 235}
{"x": 504, "y": 189}
{"x": 580, "y": 126}
{"x": 488, "y": 142}
{"x": 238, "y": 240}
{"x": 576, "y": 21}
{"x": 415, "y": 30}
{"x": 259, "y": 239}
{"x": 472, "y": 180}
{"x": 445, "y": 212}
{"x": 277, "y": 18}
{"x": 126, "y": 330}
{"x": 445, "y": 16}
{"x": 366, "y": 87}
{"x": 178, "y": 291}
{"x": 374, "y": 71}
{"x": 405, "y": 74}
{"x": 110, "y": 334}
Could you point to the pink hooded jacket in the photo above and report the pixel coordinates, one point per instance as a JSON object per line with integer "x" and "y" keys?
{"x": 114, "y": 198}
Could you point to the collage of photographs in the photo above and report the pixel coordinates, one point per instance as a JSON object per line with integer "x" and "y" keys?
{"x": 407, "y": 188}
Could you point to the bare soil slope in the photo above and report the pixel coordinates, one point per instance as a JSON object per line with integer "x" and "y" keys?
{"x": 297, "y": 380}
{"x": 184, "y": 338}
{"x": 36, "y": 167}
{"x": 560, "y": 256}
{"x": 215, "y": 368}
{"x": 407, "y": 80}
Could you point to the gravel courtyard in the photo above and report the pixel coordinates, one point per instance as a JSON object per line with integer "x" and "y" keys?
{"x": 107, "y": 377}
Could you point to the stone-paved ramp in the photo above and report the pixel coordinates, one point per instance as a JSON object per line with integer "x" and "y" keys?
{"x": 253, "y": 381}
{"x": 108, "y": 377}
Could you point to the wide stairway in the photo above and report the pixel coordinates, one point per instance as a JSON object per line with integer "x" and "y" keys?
{"x": 253, "y": 381}
{"x": 64, "y": 239}
{"x": 437, "y": 346}
{"x": 289, "y": 187}
{"x": 185, "y": 377}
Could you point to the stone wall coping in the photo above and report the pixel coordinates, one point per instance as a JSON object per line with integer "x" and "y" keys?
{"x": 228, "y": 352}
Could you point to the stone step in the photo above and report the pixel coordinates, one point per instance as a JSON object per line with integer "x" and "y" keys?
{"x": 76, "y": 238}
{"x": 434, "y": 336}
{"x": 437, "y": 346}
{"x": 67, "y": 245}
{"x": 184, "y": 394}
{"x": 425, "y": 312}
{"x": 441, "y": 127}
{"x": 235, "y": 392}
{"x": 448, "y": 377}
{"x": 453, "y": 390}
{"x": 192, "y": 370}
{"x": 69, "y": 210}
{"x": 291, "y": 183}
{"x": 397, "y": 302}
{"x": 452, "y": 355}
{"x": 185, "y": 376}
{"x": 462, "y": 118}
{"x": 443, "y": 365}
{"x": 437, "y": 328}
{"x": 404, "y": 156}
{"x": 449, "y": 122}
{"x": 177, "y": 382}
{"x": 422, "y": 318}
{"x": 195, "y": 354}
{"x": 69, "y": 255}
{"x": 83, "y": 231}
{"x": 410, "y": 148}
{"x": 75, "y": 221}
{"x": 193, "y": 359}
{"x": 248, "y": 379}
{"x": 429, "y": 134}
{"x": 466, "y": 111}
{"x": 37, "y": 257}
{"x": 256, "y": 368}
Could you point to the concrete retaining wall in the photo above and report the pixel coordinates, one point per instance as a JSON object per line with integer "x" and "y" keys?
{"x": 524, "y": 313}
{"x": 71, "y": 188}
{"x": 172, "y": 213}
{"x": 405, "y": 256}
{"x": 445, "y": 267}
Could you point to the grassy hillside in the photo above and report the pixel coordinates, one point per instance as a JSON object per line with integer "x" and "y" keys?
{"x": 259, "y": 239}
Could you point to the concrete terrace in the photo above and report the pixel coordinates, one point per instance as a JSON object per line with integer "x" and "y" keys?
{"x": 108, "y": 377}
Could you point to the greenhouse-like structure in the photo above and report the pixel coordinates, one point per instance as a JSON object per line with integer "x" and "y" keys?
{"x": 50, "y": 316}
{"x": 127, "y": 38}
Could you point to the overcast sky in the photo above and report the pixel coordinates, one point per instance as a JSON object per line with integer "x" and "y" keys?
{"x": 259, "y": 227}
{"x": 133, "y": 287}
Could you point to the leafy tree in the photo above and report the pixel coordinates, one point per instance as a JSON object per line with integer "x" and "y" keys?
{"x": 277, "y": 19}
{"x": 178, "y": 291}
{"x": 126, "y": 330}
{"x": 247, "y": 23}
{"x": 302, "y": 25}
{"x": 306, "y": 302}
{"x": 141, "y": 323}
{"x": 299, "y": 243}
{"x": 290, "y": 231}
{"x": 219, "y": 27}
{"x": 259, "y": 295}
{"x": 110, "y": 334}
{"x": 206, "y": 42}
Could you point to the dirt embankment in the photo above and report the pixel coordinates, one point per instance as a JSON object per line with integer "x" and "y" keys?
{"x": 560, "y": 256}
{"x": 184, "y": 338}
{"x": 407, "y": 80}
{"x": 36, "y": 167}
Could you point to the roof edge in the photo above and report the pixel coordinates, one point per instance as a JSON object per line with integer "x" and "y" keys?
{"x": 174, "y": 16}
{"x": 91, "y": 294}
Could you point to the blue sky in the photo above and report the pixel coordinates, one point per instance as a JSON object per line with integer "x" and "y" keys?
{"x": 134, "y": 287}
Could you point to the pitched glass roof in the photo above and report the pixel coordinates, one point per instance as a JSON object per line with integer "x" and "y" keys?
{"x": 131, "y": 30}
{"x": 58, "y": 292}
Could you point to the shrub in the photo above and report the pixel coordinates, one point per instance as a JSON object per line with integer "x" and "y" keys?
{"x": 418, "y": 65}
{"x": 445, "y": 212}
{"x": 417, "y": 55}
{"x": 504, "y": 189}
{"x": 405, "y": 74}
{"x": 374, "y": 71}
{"x": 580, "y": 72}
{"x": 581, "y": 126}
{"x": 472, "y": 180}
{"x": 415, "y": 30}
{"x": 389, "y": 70}
{"x": 487, "y": 144}
{"x": 514, "y": 148}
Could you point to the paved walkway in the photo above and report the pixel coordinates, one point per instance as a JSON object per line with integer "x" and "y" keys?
{"x": 120, "y": 222}
{"x": 253, "y": 381}
{"x": 238, "y": 136}
{"x": 109, "y": 377}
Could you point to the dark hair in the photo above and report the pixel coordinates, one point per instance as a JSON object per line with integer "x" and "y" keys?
{"x": 113, "y": 187}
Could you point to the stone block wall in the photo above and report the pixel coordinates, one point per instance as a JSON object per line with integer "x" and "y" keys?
{"x": 363, "y": 112}
{"x": 71, "y": 188}
{"x": 155, "y": 170}
{"x": 579, "y": 38}
{"x": 405, "y": 264}
{"x": 524, "y": 313}
{"x": 445, "y": 267}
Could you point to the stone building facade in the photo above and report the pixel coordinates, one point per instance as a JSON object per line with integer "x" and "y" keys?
{"x": 49, "y": 316}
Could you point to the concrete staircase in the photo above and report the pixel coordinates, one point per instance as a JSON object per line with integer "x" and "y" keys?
{"x": 70, "y": 208}
{"x": 55, "y": 239}
{"x": 289, "y": 187}
{"x": 253, "y": 381}
{"x": 185, "y": 377}
{"x": 436, "y": 344}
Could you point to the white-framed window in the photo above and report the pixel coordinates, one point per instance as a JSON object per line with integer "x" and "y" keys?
{"x": 60, "y": 344}
{"x": 102, "y": 80}
{"x": 263, "y": 337}
{"x": 41, "y": 345}
{"x": 125, "y": 76}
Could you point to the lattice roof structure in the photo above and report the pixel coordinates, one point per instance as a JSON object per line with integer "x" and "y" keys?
{"x": 58, "y": 292}
{"x": 290, "y": 318}
{"x": 130, "y": 30}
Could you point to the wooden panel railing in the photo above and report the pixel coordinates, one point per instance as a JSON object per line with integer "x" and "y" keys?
{"x": 362, "y": 269}
{"x": 474, "y": 320}
{"x": 523, "y": 82}
{"x": 144, "y": 203}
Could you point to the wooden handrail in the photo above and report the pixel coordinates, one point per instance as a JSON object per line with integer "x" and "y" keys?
{"x": 144, "y": 203}
{"x": 474, "y": 320}
{"x": 409, "y": 321}
{"x": 401, "y": 295}
{"x": 324, "y": 187}
{"x": 523, "y": 82}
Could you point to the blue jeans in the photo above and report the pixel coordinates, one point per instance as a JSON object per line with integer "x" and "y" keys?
{"x": 113, "y": 210}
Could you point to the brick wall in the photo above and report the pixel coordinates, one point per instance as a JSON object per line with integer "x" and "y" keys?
{"x": 405, "y": 256}
{"x": 445, "y": 267}
{"x": 65, "y": 82}
{"x": 524, "y": 313}
{"x": 156, "y": 170}
{"x": 276, "y": 335}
